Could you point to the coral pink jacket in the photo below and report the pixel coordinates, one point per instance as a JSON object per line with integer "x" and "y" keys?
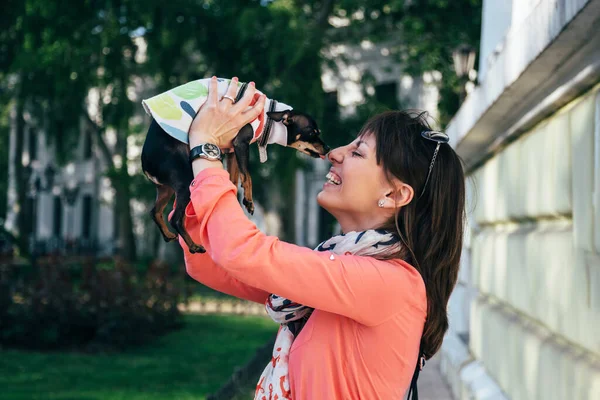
{"x": 362, "y": 340}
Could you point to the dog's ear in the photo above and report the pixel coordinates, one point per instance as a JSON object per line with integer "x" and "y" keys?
{"x": 284, "y": 116}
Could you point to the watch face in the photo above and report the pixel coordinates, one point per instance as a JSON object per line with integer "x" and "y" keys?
{"x": 211, "y": 150}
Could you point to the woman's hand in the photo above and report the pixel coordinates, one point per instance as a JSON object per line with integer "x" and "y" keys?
{"x": 219, "y": 120}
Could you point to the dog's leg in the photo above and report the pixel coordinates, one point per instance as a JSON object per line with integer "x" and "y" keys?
{"x": 241, "y": 147}
{"x": 163, "y": 194}
{"x": 182, "y": 200}
{"x": 232, "y": 168}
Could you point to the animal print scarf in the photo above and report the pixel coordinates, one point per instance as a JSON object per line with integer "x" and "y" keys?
{"x": 274, "y": 381}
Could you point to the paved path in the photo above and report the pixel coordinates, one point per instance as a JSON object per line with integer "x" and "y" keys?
{"x": 228, "y": 307}
{"x": 432, "y": 385}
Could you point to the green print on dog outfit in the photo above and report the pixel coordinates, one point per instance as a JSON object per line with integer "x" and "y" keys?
{"x": 174, "y": 110}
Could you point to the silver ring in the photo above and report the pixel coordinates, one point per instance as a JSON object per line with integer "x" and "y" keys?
{"x": 228, "y": 97}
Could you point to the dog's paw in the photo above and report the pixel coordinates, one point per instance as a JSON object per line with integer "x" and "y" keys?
{"x": 249, "y": 206}
{"x": 197, "y": 249}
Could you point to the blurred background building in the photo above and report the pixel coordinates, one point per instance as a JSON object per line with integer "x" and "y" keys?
{"x": 525, "y": 317}
{"x": 69, "y": 206}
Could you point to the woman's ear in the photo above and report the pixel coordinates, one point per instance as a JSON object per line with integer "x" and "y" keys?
{"x": 400, "y": 196}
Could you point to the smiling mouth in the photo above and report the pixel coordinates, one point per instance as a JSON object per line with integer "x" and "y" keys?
{"x": 333, "y": 179}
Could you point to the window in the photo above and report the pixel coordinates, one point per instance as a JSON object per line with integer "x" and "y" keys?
{"x": 32, "y": 145}
{"x": 87, "y": 145}
{"x": 387, "y": 94}
{"x": 57, "y": 222}
{"x": 332, "y": 108}
{"x": 86, "y": 216}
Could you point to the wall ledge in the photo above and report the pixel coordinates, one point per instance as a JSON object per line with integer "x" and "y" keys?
{"x": 547, "y": 61}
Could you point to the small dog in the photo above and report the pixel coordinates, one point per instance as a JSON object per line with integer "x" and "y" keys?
{"x": 165, "y": 152}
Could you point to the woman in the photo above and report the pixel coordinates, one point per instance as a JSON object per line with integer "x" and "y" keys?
{"x": 379, "y": 290}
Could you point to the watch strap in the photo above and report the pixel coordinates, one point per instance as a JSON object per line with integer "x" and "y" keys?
{"x": 198, "y": 152}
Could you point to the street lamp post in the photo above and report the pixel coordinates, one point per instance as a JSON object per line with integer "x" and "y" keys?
{"x": 464, "y": 62}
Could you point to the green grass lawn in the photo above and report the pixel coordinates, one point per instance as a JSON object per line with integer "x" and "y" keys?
{"x": 186, "y": 364}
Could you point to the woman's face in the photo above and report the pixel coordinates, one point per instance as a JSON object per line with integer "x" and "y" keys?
{"x": 358, "y": 185}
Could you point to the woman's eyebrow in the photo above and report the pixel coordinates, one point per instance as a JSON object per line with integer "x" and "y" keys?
{"x": 361, "y": 142}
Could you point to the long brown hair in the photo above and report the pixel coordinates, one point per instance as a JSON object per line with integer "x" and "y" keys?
{"x": 431, "y": 227}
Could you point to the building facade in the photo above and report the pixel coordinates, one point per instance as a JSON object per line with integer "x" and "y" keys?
{"x": 69, "y": 207}
{"x": 525, "y": 315}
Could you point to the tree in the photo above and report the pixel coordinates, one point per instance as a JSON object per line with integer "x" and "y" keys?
{"x": 33, "y": 54}
{"x": 59, "y": 50}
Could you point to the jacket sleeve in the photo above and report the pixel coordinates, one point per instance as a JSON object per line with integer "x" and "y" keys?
{"x": 362, "y": 288}
{"x": 202, "y": 268}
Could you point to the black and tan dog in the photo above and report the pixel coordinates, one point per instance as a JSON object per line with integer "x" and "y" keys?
{"x": 165, "y": 158}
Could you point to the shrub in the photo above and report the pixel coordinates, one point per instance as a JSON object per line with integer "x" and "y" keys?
{"x": 85, "y": 305}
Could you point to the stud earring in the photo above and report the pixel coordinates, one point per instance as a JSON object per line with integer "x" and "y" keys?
{"x": 380, "y": 203}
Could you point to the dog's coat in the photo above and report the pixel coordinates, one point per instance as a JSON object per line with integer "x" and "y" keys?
{"x": 174, "y": 111}
{"x": 165, "y": 154}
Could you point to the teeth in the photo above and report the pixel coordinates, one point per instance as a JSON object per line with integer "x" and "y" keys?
{"x": 332, "y": 179}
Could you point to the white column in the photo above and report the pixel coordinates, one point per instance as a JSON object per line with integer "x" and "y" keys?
{"x": 11, "y": 204}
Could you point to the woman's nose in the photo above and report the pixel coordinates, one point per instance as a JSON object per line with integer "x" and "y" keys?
{"x": 334, "y": 156}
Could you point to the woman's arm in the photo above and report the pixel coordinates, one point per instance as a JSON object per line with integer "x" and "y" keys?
{"x": 362, "y": 288}
{"x": 202, "y": 268}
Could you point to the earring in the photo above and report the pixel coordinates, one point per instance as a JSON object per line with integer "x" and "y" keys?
{"x": 380, "y": 203}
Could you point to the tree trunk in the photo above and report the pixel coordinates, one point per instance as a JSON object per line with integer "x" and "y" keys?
{"x": 123, "y": 220}
{"x": 127, "y": 247}
{"x": 123, "y": 198}
{"x": 120, "y": 180}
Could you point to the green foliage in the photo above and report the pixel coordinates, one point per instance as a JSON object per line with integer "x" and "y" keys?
{"x": 432, "y": 29}
{"x": 186, "y": 364}
{"x": 420, "y": 34}
{"x": 47, "y": 46}
{"x": 56, "y": 51}
{"x": 86, "y": 306}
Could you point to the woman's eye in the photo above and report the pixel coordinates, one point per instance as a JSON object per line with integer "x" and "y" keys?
{"x": 357, "y": 154}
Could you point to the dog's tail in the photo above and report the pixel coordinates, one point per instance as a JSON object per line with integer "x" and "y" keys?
{"x": 232, "y": 168}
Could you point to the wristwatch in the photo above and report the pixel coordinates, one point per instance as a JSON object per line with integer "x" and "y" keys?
{"x": 208, "y": 151}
